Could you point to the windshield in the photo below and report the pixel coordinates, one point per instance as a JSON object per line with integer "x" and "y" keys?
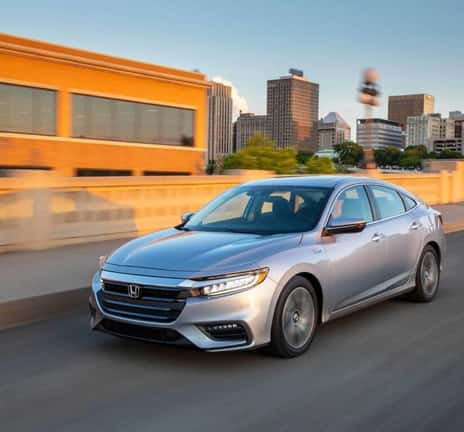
{"x": 262, "y": 210}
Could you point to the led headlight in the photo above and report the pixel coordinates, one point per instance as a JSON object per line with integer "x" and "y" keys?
{"x": 226, "y": 284}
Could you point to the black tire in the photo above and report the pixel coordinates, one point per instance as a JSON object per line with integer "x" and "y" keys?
{"x": 281, "y": 332}
{"x": 424, "y": 291}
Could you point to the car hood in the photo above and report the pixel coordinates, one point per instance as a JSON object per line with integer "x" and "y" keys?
{"x": 199, "y": 251}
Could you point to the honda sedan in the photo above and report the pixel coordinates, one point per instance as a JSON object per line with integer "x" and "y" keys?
{"x": 267, "y": 262}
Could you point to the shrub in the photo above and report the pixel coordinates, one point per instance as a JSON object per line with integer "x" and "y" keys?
{"x": 317, "y": 165}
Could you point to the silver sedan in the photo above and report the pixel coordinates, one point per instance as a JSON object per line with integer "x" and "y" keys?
{"x": 269, "y": 261}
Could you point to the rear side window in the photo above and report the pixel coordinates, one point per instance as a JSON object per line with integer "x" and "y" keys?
{"x": 409, "y": 203}
{"x": 387, "y": 201}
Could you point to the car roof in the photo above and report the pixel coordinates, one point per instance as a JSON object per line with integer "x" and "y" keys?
{"x": 330, "y": 181}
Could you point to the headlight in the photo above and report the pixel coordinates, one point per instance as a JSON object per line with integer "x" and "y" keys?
{"x": 226, "y": 284}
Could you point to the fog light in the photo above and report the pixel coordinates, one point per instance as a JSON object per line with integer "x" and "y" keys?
{"x": 226, "y": 331}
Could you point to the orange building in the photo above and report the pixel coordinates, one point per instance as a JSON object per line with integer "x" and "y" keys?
{"x": 80, "y": 113}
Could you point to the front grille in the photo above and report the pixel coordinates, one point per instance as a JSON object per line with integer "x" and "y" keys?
{"x": 154, "y": 303}
{"x": 163, "y": 335}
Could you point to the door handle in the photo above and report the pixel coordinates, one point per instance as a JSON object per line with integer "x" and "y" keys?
{"x": 414, "y": 226}
{"x": 377, "y": 237}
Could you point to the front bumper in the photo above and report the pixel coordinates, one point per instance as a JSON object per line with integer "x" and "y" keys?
{"x": 251, "y": 309}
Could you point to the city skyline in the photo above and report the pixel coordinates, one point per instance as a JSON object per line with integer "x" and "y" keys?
{"x": 233, "y": 45}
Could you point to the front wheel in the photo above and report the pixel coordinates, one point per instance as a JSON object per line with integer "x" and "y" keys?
{"x": 295, "y": 319}
{"x": 427, "y": 276}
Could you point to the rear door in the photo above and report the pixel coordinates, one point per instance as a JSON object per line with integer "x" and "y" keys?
{"x": 401, "y": 235}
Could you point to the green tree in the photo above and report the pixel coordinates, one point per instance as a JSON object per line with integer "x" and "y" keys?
{"x": 349, "y": 153}
{"x": 261, "y": 153}
{"x": 419, "y": 151}
{"x": 211, "y": 167}
{"x": 320, "y": 165}
{"x": 303, "y": 156}
{"x": 380, "y": 157}
{"x": 387, "y": 156}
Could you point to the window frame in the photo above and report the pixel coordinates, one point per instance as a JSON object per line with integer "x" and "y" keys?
{"x": 51, "y": 91}
{"x": 137, "y": 105}
{"x": 374, "y": 209}
{"x": 403, "y": 195}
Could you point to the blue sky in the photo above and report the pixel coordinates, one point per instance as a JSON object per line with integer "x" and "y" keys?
{"x": 417, "y": 46}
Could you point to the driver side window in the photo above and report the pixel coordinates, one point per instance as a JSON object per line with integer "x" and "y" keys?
{"x": 352, "y": 204}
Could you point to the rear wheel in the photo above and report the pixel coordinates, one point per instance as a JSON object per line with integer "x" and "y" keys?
{"x": 427, "y": 276}
{"x": 295, "y": 319}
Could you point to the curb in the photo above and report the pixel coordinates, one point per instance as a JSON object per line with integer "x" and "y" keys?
{"x": 24, "y": 311}
{"x": 453, "y": 227}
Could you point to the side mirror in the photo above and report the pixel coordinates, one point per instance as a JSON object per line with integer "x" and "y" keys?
{"x": 344, "y": 226}
{"x": 186, "y": 217}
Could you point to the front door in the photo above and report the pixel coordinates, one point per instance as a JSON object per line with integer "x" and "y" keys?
{"x": 355, "y": 259}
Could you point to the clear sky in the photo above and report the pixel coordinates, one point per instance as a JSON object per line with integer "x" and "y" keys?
{"x": 417, "y": 45}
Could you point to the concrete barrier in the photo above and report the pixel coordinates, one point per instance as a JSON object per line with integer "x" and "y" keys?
{"x": 43, "y": 211}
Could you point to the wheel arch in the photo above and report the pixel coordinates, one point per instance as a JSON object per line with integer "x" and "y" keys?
{"x": 310, "y": 277}
{"x": 314, "y": 274}
{"x": 436, "y": 247}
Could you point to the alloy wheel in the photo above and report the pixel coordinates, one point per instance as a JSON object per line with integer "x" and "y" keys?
{"x": 298, "y": 317}
{"x": 429, "y": 273}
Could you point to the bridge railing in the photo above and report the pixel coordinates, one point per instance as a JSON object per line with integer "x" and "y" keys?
{"x": 42, "y": 211}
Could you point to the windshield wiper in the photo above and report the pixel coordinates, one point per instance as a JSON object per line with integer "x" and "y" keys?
{"x": 236, "y": 231}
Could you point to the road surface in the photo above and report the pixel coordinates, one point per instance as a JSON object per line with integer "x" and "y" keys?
{"x": 395, "y": 367}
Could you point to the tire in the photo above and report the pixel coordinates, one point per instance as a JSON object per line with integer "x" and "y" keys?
{"x": 295, "y": 319}
{"x": 427, "y": 276}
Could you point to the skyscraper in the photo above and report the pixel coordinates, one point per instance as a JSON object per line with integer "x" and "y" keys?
{"x": 293, "y": 111}
{"x": 332, "y": 129}
{"x": 404, "y": 106}
{"x": 219, "y": 120}
{"x": 247, "y": 125}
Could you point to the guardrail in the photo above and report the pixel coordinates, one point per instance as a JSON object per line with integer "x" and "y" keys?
{"x": 42, "y": 211}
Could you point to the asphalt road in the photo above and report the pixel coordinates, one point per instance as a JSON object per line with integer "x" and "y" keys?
{"x": 395, "y": 367}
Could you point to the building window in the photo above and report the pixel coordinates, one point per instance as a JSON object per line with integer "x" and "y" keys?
{"x": 119, "y": 120}
{"x": 166, "y": 173}
{"x": 27, "y": 110}
{"x": 96, "y": 172}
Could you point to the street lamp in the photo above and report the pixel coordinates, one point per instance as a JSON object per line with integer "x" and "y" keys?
{"x": 369, "y": 96}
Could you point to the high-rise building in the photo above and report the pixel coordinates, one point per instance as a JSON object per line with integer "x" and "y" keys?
{"x": 293, "y": 111}
{"x": 452, "y": 133}
{"x": 427, "y": 128}
{"x": 458, "y": 118}
{"x": 332, "y": 130}
{"x": 404, "y": 106}
{"x": 247, "y": 125}
{"x": 219, "y": 120}
{"x": 378, "y": 133}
